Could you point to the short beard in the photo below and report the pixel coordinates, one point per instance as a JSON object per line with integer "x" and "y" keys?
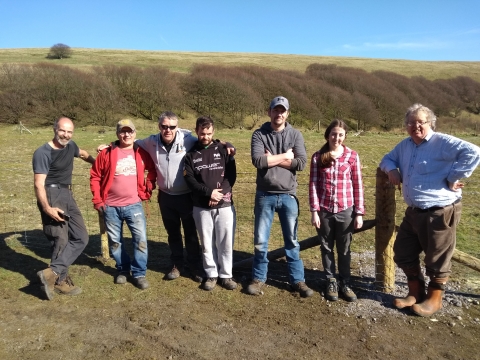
{"x": 62, "y": 141}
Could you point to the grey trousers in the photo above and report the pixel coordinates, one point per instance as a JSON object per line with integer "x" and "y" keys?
{"x": 336, "y": 229}
{"x": 216, "y": 229}
{"x": 68, "y": 239}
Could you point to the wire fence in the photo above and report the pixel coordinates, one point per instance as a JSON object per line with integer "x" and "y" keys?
{"x": 19, "y": 215}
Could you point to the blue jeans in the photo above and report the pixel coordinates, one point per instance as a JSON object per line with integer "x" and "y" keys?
{"x": 135, "y": 219}
{"x": 266, "y": 204}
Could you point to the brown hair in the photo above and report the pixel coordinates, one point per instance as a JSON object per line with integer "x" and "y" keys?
{"x": 204, "y": 122}
{"x": 325, "y": 156}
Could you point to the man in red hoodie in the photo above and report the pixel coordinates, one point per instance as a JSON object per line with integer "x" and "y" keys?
{"x": 118, "y": 184}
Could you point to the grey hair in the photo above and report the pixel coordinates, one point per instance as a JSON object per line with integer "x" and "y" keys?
{"x": 167, "y": 115}
{"x": 416, "y": 108}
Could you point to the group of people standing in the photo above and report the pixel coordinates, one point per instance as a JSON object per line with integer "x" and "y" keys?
{"x": 195, "y": 177}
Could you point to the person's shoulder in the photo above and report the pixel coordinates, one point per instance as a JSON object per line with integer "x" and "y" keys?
{"x": 350, "y": 150}
{"x": 43, "y": 147}
{"x": 194, "y": 148}
{"x": 265, "y": 128}
{"x": 185, "y": 136}
{"x": 443, "y": 136}
{"x": 149, "y": 139}
{"x": 41, "y": 152}
{"x": 136, "y": 148}
{"x": 72, "y": 144}
{"x": 218, "y": 146}
{"x": 438, "y": 139}
{"x": 184, "y": 133}
{"x": 289, "y": 128}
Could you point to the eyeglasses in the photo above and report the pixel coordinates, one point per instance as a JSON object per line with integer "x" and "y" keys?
{"x": 417, "y": 123}
{"x": 166, "y": 127}
{"x": 123, "y": 133}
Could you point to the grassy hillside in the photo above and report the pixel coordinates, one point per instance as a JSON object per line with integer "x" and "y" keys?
{"x": 183, "y": 61}
{"x": 18, "y": 210}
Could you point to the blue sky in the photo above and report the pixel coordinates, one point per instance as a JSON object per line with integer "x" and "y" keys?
{"x": 401, "y": 29}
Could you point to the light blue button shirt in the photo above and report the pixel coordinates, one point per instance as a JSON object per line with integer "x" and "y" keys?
{"x": 426, "y": 168}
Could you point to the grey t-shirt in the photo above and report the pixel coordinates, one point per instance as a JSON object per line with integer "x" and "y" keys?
{"x": 57, "y": 164}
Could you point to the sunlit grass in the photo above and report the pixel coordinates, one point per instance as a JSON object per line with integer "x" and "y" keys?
{"x": 18, "y": 210}
{"x": 183, "y": 61}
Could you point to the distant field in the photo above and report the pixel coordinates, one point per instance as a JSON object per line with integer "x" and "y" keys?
{"x": 183, "y": 61}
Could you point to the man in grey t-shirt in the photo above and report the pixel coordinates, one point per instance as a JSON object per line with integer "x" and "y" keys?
{"x": 62, "y": 221}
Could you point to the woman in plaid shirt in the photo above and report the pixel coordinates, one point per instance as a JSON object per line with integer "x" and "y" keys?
{"x": 337, "y": 205}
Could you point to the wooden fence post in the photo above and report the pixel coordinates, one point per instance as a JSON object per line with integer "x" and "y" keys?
{"x": 385, "y": 208}
{"x": 103, "y": 237}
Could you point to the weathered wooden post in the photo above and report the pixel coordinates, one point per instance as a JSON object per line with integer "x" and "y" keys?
{"x": 103, "y": 237}
{"x": 385, "y": 208}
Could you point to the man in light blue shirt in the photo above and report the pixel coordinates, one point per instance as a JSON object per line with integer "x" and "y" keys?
{"x": 430, "y": 166}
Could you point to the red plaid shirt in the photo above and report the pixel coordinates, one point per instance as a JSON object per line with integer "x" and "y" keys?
{"x": 339, "y": 186}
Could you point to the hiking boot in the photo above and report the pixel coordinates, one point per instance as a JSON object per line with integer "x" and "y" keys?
{"x": 141, "y": 282}
{"x": 255, "y": 287}
{"x": 67, "y": 287}
{"x": 331, "y": 292}
{"x": 209, "y": 284}
{"x": 303, "y": 289}
{"x": 48, "y": 279}
{"x": 347, "y": 292}
{"x": 173, "y": 274}
{"x": 121, "y": 278}
{"x": 196, "y": 275}
{"x": 228, "y": 284}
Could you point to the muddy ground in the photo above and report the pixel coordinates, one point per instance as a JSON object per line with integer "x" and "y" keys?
{"x": 178, "y": 320}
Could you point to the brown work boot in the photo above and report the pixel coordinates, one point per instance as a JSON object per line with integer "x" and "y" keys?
{"x": 416, "y": 290}
{"x": 433, "y": 302}
{"x": 347, "y": 291}
{"x": 67, "y": 287}
{"x": 229, "y": 283}
{"x": 48, "y": 279}
{"x": 173, "y": 274}
{"x": 331, "y": 290}
{"x": 255, "y": 287}
{"x": 209, "y": 284}
{"x": 303, "y": 289}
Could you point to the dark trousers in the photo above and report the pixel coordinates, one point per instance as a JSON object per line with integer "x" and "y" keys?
{"x": 177, "y": 210}
{"x": 434, "y": 233}
{"x": 69, "y": 238}
{"x": 336, "y": 229}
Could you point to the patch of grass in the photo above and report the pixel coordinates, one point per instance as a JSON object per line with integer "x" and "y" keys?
{"x": 18, "y": 212}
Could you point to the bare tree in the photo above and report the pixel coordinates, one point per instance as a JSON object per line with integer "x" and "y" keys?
{"x": 60, "y": 51}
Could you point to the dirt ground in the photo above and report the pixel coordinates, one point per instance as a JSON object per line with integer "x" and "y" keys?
{"x": 178, "y": 320}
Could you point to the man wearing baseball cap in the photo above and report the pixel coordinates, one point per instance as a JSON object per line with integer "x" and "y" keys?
{"x": 278, "y": 152}
{"x": 118, "y": 184}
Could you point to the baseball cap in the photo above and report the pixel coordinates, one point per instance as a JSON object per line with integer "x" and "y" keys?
{"x": 125, "y": 123}
{"x": 280, "y": 100}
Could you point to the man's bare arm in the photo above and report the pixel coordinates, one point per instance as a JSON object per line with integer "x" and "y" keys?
{"x": 85, "y": 156}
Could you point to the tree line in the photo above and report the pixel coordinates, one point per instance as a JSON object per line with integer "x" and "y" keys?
{"x": 236, "y": 97}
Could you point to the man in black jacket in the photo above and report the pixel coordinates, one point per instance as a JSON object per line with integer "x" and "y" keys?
{"x": 211, "y": 173}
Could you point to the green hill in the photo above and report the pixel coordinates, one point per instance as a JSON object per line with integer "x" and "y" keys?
{"x": 183, "y": 61}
